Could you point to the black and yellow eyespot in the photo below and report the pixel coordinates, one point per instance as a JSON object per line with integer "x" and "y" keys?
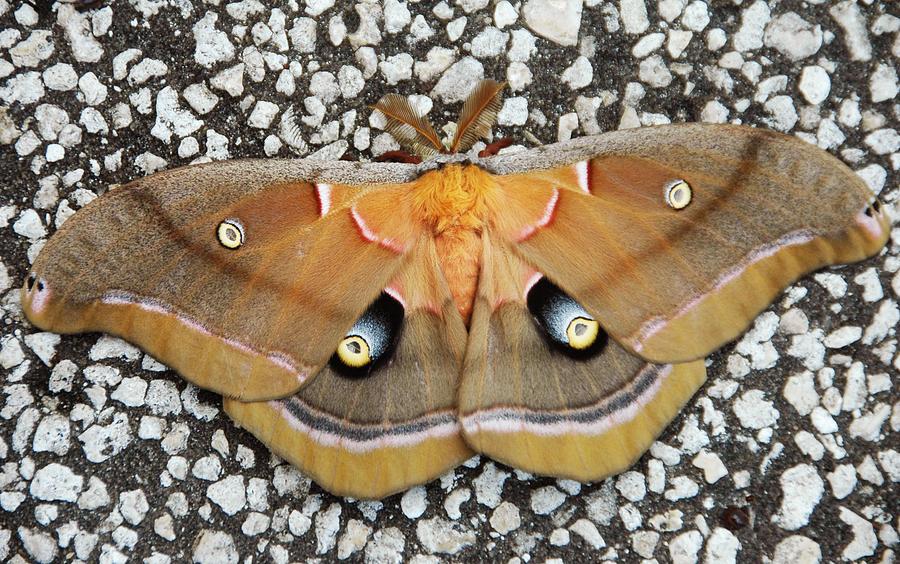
{"x": 567, "y": 324}
{"x": 371, "y": 339}
{"x": 230, "y": 234}
{"x": 354, "y": 351}
{"x": 678, "y": 195}
{"x": 582, "y": 332}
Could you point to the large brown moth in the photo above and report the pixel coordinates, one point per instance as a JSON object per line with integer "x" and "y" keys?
{"x": 375, "y": 324}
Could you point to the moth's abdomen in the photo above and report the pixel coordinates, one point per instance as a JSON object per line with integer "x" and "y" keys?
{"x": 453, "y": 203}
{"x": 459, "y": 252}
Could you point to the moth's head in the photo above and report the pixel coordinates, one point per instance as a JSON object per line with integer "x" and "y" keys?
{"x": 417, "y": 136}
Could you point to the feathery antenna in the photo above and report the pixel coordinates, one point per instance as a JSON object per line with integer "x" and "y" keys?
{"x": 410, "y": 129}
{"x": 478, "y": 115}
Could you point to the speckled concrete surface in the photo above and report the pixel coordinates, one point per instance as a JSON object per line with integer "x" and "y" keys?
{"x": 788, "y": 454}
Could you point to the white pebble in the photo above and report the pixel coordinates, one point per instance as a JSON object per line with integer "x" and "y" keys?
{"x": 802, "y": 489}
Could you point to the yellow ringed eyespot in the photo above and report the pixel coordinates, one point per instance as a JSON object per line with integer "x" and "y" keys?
{"x": 230, "y": 234}
{"x": 354, "y": 351}
{"x": 582, "y": 332}
{"x": 678, "y": 195}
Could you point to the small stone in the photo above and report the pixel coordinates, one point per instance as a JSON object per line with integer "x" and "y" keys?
{"x": 228, "y": 493}
{"x": 842, "y": 337}
{"x": 133, "y": 506}
{"x": 809, "y": 445}
{"x": 682, "y": 488}
{"x": 147, "y": 70}
{"x": 162, "y": 398}
{"x": 328, "y": 522}
{"x": 800, "y": 392}
{"x": 215, "y": 546}
{"x": 386, "y": 546}
{"x": 354, "y": 539}
{"x": 255, "y": 524}
{"x": 568, "y": 124}
{"x": 29, "y": 225}
{"x": 201, "y": 99}
{"x": 414, "y": 502}
{"x": 882, "y": 83}
{"x": 164, "y": 526}
{"x": 230, "y": 80}
{"x": 588, "y": 531}
{"x": 37, "y": 47}
{"x": 679, "y": 40}
{"x": 456, "y": 28}
{"x": 504, "y": 14}
{"x": 722, "y": 546}
{"x": 753, "y": 24}
{"x": 11, "y": 353}
{"x": 77, "y": 27}
{"x": 696, "y": 16}
{"x": 350, "y": 81}
{"x": 39, "y": 546}
{"x": 102, "y": 442}
{"x": 55, "y": 482}
{"x": 458, "y": 80}
{"x": 60, "y": 76}
{"x": 95, "y": 496}
{"x": 684, "y": 548}
{"x": 439, "y": 536}
{"x": 631, "y": 485}
{"x": 505, "y": 518}
{"x": 864, "y": 540}
{"x": 783, "y": 113}
{"x": 754, "y": 411}
{"x": 883, "y": 141}
{"x": 634, "y": 16}
{"x": 556, "y": 20}
{"x": 262, "y": 115}
{"x": 644, "y": 543}
{"x": 579, "y": 74}
{"x": 797, "y": 548}
{"x": 654, "y": 72}
{"x": 514, "y": 111}
{"x": 815, "y": 84}
{"x": 868, "y": 426}
{"x": 868, "y": 471}
{"x": 52, "y": 435}
{"x": 712, "y": 466}
{"x": 490, "y": 42}
{"x": 207, "y": 468}
{"x": 151, "y": 427}
{"x": 396, "y": 68}
{"x": 545, "y": 500}
{"x": 130, "y": 392}
{"x": 212, "y": 45}
{"x": 853, "y": 23}
{"x": 793, "y": 36}
{"x": 802, "y": 489}
{"x": 842, "y": 480}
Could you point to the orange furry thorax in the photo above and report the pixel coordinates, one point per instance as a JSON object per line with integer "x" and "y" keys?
{"x": 453, "y": 202}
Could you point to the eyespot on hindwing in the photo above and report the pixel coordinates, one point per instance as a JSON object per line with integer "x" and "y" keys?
{"x": 568, "y": 326}
{"x": 371, "y": 340}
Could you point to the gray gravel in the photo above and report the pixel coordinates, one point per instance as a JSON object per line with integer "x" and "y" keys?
{"x": 107, "y": 456}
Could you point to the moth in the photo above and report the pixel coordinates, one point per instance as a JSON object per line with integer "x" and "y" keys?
{"x": 376, "y": 324}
